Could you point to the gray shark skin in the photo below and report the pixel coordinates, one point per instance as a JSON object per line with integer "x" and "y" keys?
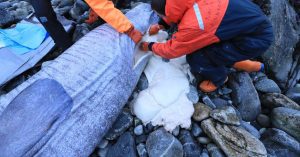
{"x": 31, "y": 118}
{"x": 99, "y": 73}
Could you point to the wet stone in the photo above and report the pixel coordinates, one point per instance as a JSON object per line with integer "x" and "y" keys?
{"x": 161, "y": 142}
{"x": 138, "y": 130}
{"x": 141, "y": 150}
{"x": 190, "y": 148}
{"x": 124, "y": 147}
{"x": 207, "y": 101}
{"x": 196, "y": 130}
{"x": 263, "y": 120}
{"x": 141, "y": 139}
{"x": 201, "y": 112}
{"x": 204, "y": 140}
{"x": 176, "y": 131}
{"x": 214, "y": 151}
{"x": 226, "y": 115}
{"x": 251, "y": 129}
{"x": 123, "y": 122}
{"x": 294, "y": 94}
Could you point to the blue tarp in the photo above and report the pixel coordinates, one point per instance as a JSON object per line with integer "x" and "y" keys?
{"x": 23, "y": 38}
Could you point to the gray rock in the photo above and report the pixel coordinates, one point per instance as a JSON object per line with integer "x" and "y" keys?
{"x": 214, "y": 151}
{"x": 176, "y": 131}
{"x": 196, "y": 130}
{"x": 282, "y": 59}
{"x": 125, "y": 147}
{"x": 80, "y": 31}
{"x": 64, "y": 3}
{"x": 287, "y": 120}
{"x": 193, "y": 95}
{"x": 79, "y": 8}
{"x": 143, "y": 83}
{"x": 262, "y": 130}
{"x": 256, "y": 76}
{"x": 204, "y": 153}
{"x": 273, "y": 100}
{"x": 64, "y": 10}
{"x": 280, "y": 144}
{"x": 103, "y": 144}
{"x": 219, "y": 102}
{"x": 6, "y": 17}
{"x": 266, "y": 85}
{"x": 201, "y": 112}
{"x": 190, "y": 148}
{"x": 226, "y": 115}
{"x": 141, "y": 139}
{"x": 203, "y": 140}
{"x": 138, "y": 130}
{"x": 294, "y": 94}
{"x": 160, "y": 143}
{"x": 149, "y": 128}
{"x": 263, "y": 120}
{"x": 224, "y": 91}
{"x": 234, "y": 141}
{"x": 207, "y": 101}
{"x": 251, "y": 129}
{"x": 4, "y": 5}
{"x": 141, "y": 149}
{"x": 244, "y": 95}
{"x": 102, "y": 152}
{"x": 124, "y": 121}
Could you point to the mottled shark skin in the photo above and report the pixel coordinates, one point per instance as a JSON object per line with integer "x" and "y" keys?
{"x": 99, "y": 73}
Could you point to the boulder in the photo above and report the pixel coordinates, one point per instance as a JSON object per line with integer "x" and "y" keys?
{"x": 282, "y": 59}
{"x": 294, "y": 94}
{"x": 273, "y": 100}
{"x": 234, "y": 141}
{"x": 287, "y": 120}
{"x": 266, "y": 85}
{"x": 280, "y": 144}
{"x": 244, "y": 95}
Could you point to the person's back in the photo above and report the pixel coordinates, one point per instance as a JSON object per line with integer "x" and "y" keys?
{"x": 215, "y": 35}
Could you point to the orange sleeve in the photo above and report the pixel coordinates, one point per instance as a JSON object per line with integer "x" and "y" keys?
{"x": 113, "y": 16}
{"x": 183, "y": 43}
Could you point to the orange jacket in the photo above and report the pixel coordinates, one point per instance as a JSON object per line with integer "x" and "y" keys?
{"x": 197, "y": 23}
{"x": 106, "y": 10}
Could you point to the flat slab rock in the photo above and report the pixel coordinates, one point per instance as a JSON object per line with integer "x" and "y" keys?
{"x": 234, "y": 141}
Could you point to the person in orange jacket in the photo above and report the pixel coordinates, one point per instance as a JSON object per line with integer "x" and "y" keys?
{"x": 106, "y": 10}
{"x": 214, "y": 35}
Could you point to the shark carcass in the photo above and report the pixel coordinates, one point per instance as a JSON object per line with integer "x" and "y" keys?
{"x": 67, "y": 107}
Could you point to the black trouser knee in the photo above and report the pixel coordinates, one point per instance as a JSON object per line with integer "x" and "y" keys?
{"x": 200, "y": 63}
{"x": 47, "y": 17}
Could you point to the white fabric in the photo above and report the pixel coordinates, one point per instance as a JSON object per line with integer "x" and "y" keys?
{"x": 164, "y": 102}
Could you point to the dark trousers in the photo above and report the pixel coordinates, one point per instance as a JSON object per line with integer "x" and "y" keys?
{"x": 47, "y": 17}
{"x": 213, "y": 62}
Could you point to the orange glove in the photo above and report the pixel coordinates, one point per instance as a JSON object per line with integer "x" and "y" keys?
{"x": 93, "y": 17}
{"x": 155, "y": 28}
{"x": 144, "y": 46}
{"x": 135, "y": 35}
